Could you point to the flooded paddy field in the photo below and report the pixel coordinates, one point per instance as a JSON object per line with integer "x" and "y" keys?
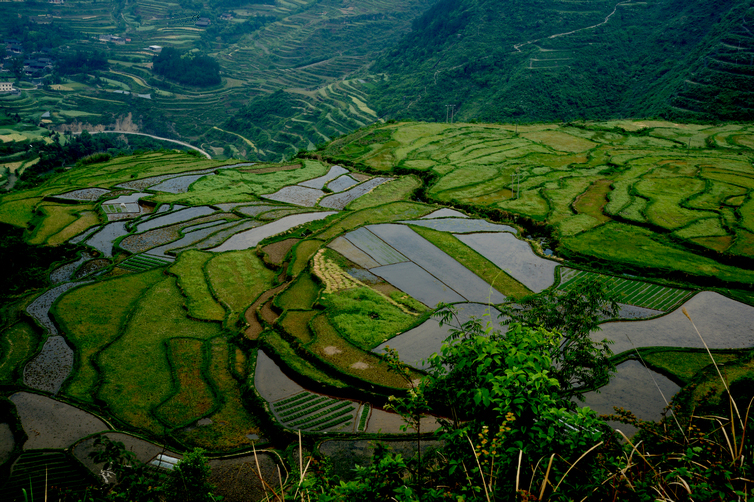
{"x": 722, "y": 323}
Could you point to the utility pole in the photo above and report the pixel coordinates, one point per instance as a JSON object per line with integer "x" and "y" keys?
{"x": 450, "y": 109}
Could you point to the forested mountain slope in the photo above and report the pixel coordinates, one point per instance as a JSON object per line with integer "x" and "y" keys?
{"x": 514, "y": 60}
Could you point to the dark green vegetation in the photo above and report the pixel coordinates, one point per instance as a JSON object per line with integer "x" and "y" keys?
{"x": 506, "y": 61}
{"x": 188, "y": 69}
{"x": 26, "y": 266}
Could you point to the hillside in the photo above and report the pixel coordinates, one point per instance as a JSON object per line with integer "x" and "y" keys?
{"x": 561, "y": 60}
{"x": 316, "y": 52}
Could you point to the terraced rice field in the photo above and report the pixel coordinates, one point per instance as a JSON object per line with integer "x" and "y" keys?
{"x": 294, "y": 305}
{"x": 641, "y": 294}
{"x": 624, "y": 192}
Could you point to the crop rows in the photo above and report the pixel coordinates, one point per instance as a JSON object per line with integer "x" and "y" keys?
{"x": 641, "y": 294}
{"x": 364, "y": 416}
{"x": 313, "y": 411}
{"x": 37, "y": 471}
{"x": 306, "y": 408}
{"x": 142, "y": 262}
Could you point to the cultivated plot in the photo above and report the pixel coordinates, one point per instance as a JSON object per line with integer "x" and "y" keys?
{"x": 319, "y": 183}
{"x": 436, "y": 262}
{"x": 641, "y": 294}
{"x": 51, "y": 424}
{"x": 189, "y": 213}
{"x": 301, "y": 196}
{"x": 342, "y": 199}
{"x": 416, "y": 345}
{"x": 515, "y": 257}
{"x": 461, "y": 226}
{"x": 724, "y": 324}
{"x": 375, "y": 247}
{"x": 417, "y": 282}
{"x": 251, "y": 238}
{"x": 636, "y": 388}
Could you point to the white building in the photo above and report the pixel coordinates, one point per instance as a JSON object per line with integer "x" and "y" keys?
{"x": 6, "y": 86}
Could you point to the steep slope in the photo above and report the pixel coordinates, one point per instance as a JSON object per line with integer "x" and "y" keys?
{"x": 563, "y": 59}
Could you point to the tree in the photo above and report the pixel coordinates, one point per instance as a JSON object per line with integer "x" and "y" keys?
{"x": 189, "y": 480}
{"x": 580, "y": 362}
{"x": 511, "y": 414}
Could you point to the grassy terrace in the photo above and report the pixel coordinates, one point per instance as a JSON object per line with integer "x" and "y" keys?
{"x": 631, "y": 194}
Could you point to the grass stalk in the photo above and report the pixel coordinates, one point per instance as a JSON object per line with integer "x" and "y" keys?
{"x": 481, "y": 472}
{"x": 547, "y": 475}
{"x": 574, "y": 464}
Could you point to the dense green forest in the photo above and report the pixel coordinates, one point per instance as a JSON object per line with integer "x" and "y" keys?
{"x": 188, "y": 69}
{"x": 543, "y": 60}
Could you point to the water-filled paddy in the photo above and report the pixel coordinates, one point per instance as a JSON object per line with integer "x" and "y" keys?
{"x": 319, "y": 183}
{"x": 514, "y": 257}
{"x": 255, "y": 210}
{"x": 103, "y": 240}
{"x": 356, "y": 255}
{"x": 417, "y": 344}
{"x": 270, "y": 381}
{"x": 635, "y": 388}
{"x": 130, "y": 198}
{"x": 300, "y": 196}
{"x": 191, "y": 237}
{"x": 39, "y": 309}
{"x": 342, "y": 199}
{"x": 83, "y": 235}
{"x": 65, "y": 272}
{"x": 438, "y": 263}
{"x": 222, "y": 235}
{"x": 375, "y": 247}
{"x": 179, "y": 184}
{"x": 251, "y": 238}
{"x": 724, "y": 323}
{"x": 49, "y": 369}
{"x": 84, "y": 194}
{"x": 461, "y": 225}
{"x": 444, "y": 213}
{"x": 51, "y": 424}
{"x": 175, "y": 217}
{"x": 418, "y": 283}
{"x": 342, "y": 183}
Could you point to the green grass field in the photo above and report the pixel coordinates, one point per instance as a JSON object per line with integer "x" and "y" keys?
{"x": 365, "y": 317}
{"x": 193, "y": 396}
{"x": 136, "y": 376}
{"x": 231, "y": 423}
{"x": 18, "y": 343}
{"x": 578, "y": 177}
{"x": 236, "y": 279}
{"x": 189, "y": 268}
{"x": 81, "y": 313}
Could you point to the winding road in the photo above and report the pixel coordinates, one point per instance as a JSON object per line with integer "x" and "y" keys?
{"x": 155, "y": 137}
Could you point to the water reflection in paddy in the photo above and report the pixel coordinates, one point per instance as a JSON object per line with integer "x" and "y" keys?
{"x": 635, "y": 388}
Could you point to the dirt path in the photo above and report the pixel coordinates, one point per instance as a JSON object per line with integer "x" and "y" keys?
{"x": 607, "y": 19}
